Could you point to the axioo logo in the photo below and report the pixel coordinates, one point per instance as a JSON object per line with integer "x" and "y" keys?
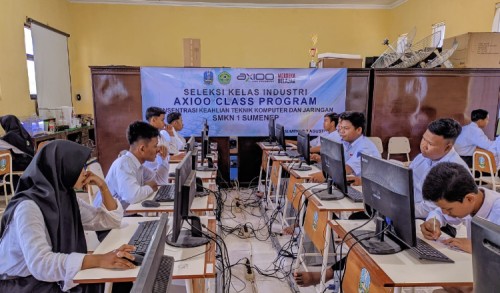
{"x": 224, "y": 78}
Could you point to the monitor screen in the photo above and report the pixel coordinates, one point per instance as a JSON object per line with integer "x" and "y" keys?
{"x": 194, "y": 158}
{"x": 148, "y": 279}
{"x": 303, "y": 146}
{"x": 190, "y": 144}
{"x": 205, "y": 126}
{"x": 272, "y": 134}
{"x": 280, "y": 136}
{"x": 390, "y": 195}
{"x": 485, "y": 237}
{"x": 333, "y": 164}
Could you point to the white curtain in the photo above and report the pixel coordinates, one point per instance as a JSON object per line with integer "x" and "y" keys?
{"x": 51, "y": 68}
{"x": 496, "y": 19}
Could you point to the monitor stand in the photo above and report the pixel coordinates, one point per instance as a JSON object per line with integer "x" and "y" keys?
{"x": 330, "y": 193}
{"x": 190, "y": 238}
{"x": 377, "y": 242}
{"x": 300, "y": 167}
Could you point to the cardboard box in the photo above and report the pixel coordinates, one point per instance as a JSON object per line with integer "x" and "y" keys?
{"x": 475, "y": 50}
{"x": 340, "y": 63}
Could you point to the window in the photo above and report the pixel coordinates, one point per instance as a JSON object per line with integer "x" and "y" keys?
{"x": 30, "y": 61}
{"x": 437, "y": 40}
{"x": 496, "y": 19}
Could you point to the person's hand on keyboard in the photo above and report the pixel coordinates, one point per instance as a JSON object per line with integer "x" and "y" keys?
{"x": 431, "y": 229}
{"x": 356, "y": 181}
{"x": 460, "y": 243}
{"x": 316, "y": 158}
{"x": 153, "y": 185}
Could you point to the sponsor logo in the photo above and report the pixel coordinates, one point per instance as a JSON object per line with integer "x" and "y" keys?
{"x": 256, "y": 77}
{"x": 315, "y": 220}
{"x": 224, "y": 78}
{"x": 482, "y": 162}
{"x": 208, "y": 77}
{"x": 3, "y": 164}
{"x": 286, "y": 77}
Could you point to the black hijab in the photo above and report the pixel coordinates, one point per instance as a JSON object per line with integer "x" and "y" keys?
{"x": 49, "y": 181}
{"x": 16, "y": 135}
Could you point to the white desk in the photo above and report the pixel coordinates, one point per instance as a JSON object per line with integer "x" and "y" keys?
{"x": 201, "y": 266}
{"x": 402, "y": 269}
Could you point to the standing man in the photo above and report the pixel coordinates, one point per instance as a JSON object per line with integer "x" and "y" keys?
{"x": 473, "y": 136}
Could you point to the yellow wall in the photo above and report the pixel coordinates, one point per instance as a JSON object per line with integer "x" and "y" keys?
{"x": 14, "y": 92}
{"x": 152, "y": 36}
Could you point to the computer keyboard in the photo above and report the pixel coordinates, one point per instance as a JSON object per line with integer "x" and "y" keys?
{"x": 164, "y": 275}
{"x": 424, "y": 250}
{"x": 165, "y": 193}
{"x": 354, "y": 194}
{"x": 269, "y": 144}
{"x": 143, "y": 236}
{"x": 292, "y": 153}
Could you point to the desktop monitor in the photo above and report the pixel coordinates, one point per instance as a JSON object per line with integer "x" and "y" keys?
{"x": 485, "y": 237}
{"x": 271, "y": 127}
{"x": 190, "y": 144}
{"x": 388, "y": 191}
{"x": 205, "y": 150}
{"x": 185, "y": 193}
{"x": 333, "y": 164}
{"x": 194, "y": 158}
{"x": 304, "y": 151}
{"x": 205, "y": 126}
{"x": 151, "y": 277}
{"x": 280, "y": 136}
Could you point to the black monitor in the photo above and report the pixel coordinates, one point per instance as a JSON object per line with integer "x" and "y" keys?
{"x": 333, "y": 166}
{"x": 194, "y": 158}
{"x": 190, "y": 144}
{"x": 205, "y": 150}
{"x": 388, "y": 191}
{"x": 280, "y": 136}
{"x": 151, "y": 277}
{"x": 485, "y": 237}
{"x": 205, "y": 126}
{"x": 303, "y": 148}
{"x": 182, "y": 205}
{"x": 271, "y": 126}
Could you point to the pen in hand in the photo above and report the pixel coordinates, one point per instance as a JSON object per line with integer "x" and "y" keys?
{"x": 434, "y": 226}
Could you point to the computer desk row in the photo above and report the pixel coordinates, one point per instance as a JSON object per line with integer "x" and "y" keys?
{"x": 195, "y": 265}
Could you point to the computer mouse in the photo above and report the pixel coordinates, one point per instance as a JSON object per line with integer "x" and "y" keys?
{"x": 137, "y": 259}
{"x": 150, "y": 204}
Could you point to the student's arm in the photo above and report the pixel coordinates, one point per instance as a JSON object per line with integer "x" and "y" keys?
{"x": 42, "y": 262}
{"x": 129, "y": 188}
{"x": 97, "y": 218}
{"x": 481, "y": 140}
{"x": 460, "y": 243}
{"x": 315, "y": 149}
{"x": 160, "y": 176}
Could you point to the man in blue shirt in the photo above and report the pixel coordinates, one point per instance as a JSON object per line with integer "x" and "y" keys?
{"x": 436, "y": 146}
{"x": 473, "y": 136}
{"x": 330, "y": 123}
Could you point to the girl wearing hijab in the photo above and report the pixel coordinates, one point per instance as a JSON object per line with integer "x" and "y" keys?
{"x": 42, "y": 242}
{"x": 17, "y": 136}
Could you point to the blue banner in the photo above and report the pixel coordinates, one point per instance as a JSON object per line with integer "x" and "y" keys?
{"x": 239, "y": 101}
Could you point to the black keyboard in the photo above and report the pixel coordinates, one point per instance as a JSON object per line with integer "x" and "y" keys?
{"x": 269, "y": 144}
{"x": 143, "y": 235}
{"x": 292, "y": 153}
{"x": 165, "y": 193}
{"x": 164, "y": 275}
{"x": 354, "y": 194}
{"x": 424, "y": 250}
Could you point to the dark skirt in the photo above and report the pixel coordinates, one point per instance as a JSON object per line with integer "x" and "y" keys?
{"x": 30, "y": 284}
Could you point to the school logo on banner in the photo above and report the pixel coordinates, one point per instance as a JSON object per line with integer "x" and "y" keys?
{"x": 224, "y": 78}
{"x": 208, "y": 77}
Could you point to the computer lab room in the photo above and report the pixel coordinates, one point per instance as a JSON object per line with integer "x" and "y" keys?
{"x": 250, "y": 146}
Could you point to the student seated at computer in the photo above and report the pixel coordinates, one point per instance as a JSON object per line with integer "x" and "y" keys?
{"x": 330, "y": 121}
{"x": 42, "y": 239}
{"x": 436, "y": 147}
{"x": 156, "y": 118}
{"x": 473, "y": 136}
{"x": 453, "y": 190}
{"x": 128, "y": 179}
{"x": 18, "y": 141}
{"x": 177, "y": 142}
{"x": 351, "y": 129}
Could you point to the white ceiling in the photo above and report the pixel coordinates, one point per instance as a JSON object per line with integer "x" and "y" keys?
{"x": 339, "y": 4}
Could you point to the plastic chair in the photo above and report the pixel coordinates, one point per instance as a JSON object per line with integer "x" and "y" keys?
{"x": 484, "y": 162}
{"x": 6, "y": 174}
{"x": 378, "y": 143}
{"x": 399, "y": 145}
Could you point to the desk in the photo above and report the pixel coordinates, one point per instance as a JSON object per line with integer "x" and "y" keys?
{"x": 276, "y": 176}
{"x": 265, "y": 163}
{"x": 391, "y": 272}
{"x": 200, "y": 204}
{"x": 206, "y": 176}
{"x": 318, "y": 213}
{"x": 82, "y": 135}
{"x": 196, "y": 269}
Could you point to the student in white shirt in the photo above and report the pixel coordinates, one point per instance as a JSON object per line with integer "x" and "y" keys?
{"x": 330, "y": 122}
{"x": 177, "y": 141}
{"x": 156, "y": 117}
{"x": 42, "y": 239}
{"x": 453, "y": 190}
{"x": 436, "y": 147}
{"x": 128, "y": 179}
{"x": 473, "y": 136}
